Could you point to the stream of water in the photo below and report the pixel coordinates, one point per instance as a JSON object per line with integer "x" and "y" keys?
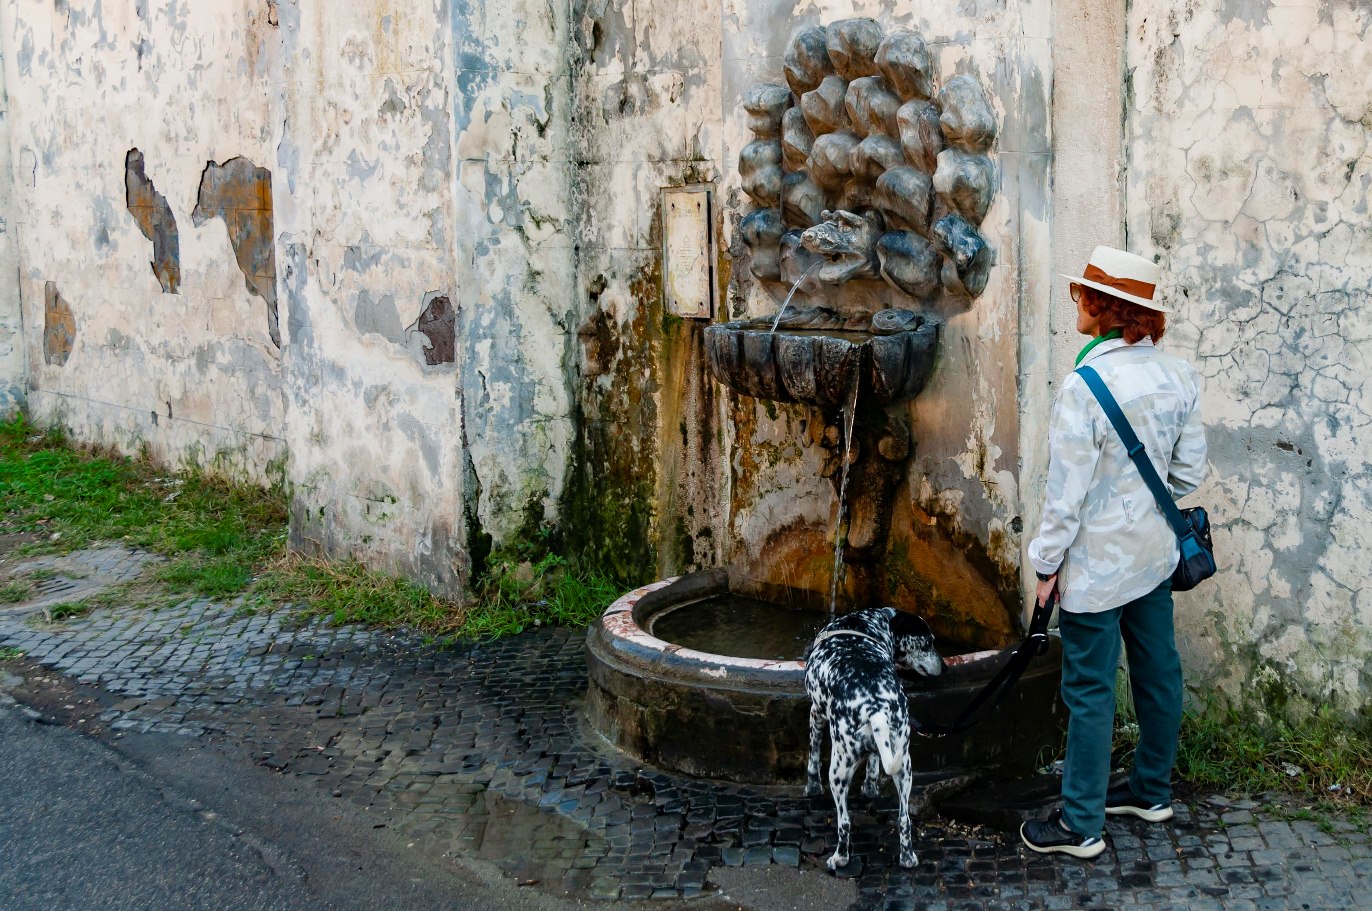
{"x": 849, "y": 414}
{"x": 792, "y": 293}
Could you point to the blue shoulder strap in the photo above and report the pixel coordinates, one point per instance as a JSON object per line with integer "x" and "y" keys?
{"x": 1136, "y": 451}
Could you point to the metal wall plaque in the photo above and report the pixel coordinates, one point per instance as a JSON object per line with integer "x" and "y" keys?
{"x": 688, "y": 253}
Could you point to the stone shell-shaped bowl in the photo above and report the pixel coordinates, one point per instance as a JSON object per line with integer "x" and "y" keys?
{"x": 815, "y": 367}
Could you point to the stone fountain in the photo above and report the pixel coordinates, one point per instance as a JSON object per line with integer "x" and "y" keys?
{"x": 870, "y": 182}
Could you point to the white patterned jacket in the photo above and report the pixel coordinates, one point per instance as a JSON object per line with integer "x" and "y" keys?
{"x": 1102, "y": 530}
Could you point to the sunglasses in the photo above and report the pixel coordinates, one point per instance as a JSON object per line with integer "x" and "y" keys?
{"x": 1075, "y": 290}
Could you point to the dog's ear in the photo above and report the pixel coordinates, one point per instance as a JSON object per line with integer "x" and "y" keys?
{"x": 904, "y": 623}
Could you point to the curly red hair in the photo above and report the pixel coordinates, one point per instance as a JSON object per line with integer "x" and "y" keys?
{"x": 1116, "y": 313}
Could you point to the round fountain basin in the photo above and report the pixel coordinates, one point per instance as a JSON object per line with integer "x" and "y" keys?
{"x": 816, "y": 366}
{"x": 744, "y": 716}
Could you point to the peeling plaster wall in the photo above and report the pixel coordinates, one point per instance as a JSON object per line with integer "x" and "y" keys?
{"x": 193, "y": 375}
{"x": 650, "y": 492}
{"x": 366, "y": 233}
{"x": 516, "y": 248}
{"x": 13, "y": 369}
{"x": 1249, "y": 173}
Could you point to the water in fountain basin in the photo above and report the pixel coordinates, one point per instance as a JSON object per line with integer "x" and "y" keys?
{"x": 740, "y": 626}
{"x": 743, "y": 627}
{"x": 849, "y": 414}
{"x": 792, "y": 293}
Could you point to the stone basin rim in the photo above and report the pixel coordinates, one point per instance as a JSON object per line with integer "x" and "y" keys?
{"x": 619, "y": 625}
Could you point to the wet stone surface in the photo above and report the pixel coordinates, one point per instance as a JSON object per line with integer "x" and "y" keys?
{"x": 482, "y": 749}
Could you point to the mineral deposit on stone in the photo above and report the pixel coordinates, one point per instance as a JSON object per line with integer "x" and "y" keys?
{"x": 831, "y": 159}
{"x": 825, "y": 107}
{"x": 903, "y": 59}
{"x": 909, "y": 262}
{"x": 765, "y": 104}
{"x": 807, "y": 60}
{"x": 853, "y": 45}
{"x": 759, "y": 167}
{"x": 965, "y": 182}
{"x": 802, "y": 200}
{"x": 796, "y": 140}
{"x": 872, "y": 106}
{"x": 921, "y": 133}
{"x": 967, "y": 118}
{"x": 762, "y": 230}
{"x": 904, "y": 194}
{"x": 874, "y": 156}
{"x": 857, "y": 195}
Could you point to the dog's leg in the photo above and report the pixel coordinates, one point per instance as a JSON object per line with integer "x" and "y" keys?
{"x": 871, "y": 785}
{"x": 812, "y": 786}
{"x": 842, "y": 764}
{"x": 903, "y": 779}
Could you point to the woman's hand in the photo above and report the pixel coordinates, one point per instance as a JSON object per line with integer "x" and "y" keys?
{"x": 1045, "y": 589}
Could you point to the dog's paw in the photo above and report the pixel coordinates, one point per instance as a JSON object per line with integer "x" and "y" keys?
{"x": 871, "y": 791}
{"x": 813, "y": 789}
{"x": 835, "y": 862}
{"x": 908, "y": 859}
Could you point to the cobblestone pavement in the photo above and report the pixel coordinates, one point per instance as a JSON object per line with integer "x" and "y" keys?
{"x": 481, "y": 748}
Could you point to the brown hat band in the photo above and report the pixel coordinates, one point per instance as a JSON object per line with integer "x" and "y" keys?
{"x": 1127, "y": 285}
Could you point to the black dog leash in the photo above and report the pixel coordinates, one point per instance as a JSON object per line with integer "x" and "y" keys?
{"x": 1034, "y": 644}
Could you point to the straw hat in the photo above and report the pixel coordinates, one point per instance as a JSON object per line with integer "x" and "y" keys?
{"x": 1123, "y": 275}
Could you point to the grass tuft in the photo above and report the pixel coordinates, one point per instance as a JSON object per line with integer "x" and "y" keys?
{"x": 1221, "y": 748}
{"x": 227, "y": 540}
{"x": 15, "y": 591}
{"x": 345, "y": 591}
{"x": 10, "y": 654}
{"x": 550, "y": 591}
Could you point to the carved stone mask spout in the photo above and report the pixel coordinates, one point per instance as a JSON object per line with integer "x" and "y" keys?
{"x": 848, "y": 241}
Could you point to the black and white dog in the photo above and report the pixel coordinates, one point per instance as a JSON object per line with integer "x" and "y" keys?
{"x": 850, "y": 674}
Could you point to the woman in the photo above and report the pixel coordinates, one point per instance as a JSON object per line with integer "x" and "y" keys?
{"x": 1105, "y": 545}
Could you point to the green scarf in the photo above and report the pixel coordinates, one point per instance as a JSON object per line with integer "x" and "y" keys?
{"x": 1113, "y": 333}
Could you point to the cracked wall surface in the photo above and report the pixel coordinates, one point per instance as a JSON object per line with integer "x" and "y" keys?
{"x": 1249, "y": 173}
{"x": 511, "y": 114}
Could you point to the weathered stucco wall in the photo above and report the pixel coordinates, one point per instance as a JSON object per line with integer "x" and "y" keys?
{"x": 515, "y": 245}
{"x": 1249, "y": 173}
{"x": 408, "y": 258}
{"x": 13, "y": 370}
{"x": 367, "y": 244}
{"x": 650, "y": 492}
{"x": 191, "y": 374}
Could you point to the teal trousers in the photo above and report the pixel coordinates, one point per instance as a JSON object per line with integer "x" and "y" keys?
{"x": 1090, "y": 656}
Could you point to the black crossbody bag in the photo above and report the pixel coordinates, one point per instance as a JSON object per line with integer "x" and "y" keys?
{"x": 1192, "y": 526}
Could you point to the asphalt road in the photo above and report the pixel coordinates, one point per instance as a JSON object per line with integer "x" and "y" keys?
{"x": 165, "y": 823}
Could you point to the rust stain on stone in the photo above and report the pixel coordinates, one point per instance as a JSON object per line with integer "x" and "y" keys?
{"x": 438, "y": 324}
{"x": 241, "y": 193}
{"x": 59, "y": 326}
{"x": 155, "y": 219}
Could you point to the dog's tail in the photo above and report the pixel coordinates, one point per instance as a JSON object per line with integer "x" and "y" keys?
{"x": 891, "y": 758}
